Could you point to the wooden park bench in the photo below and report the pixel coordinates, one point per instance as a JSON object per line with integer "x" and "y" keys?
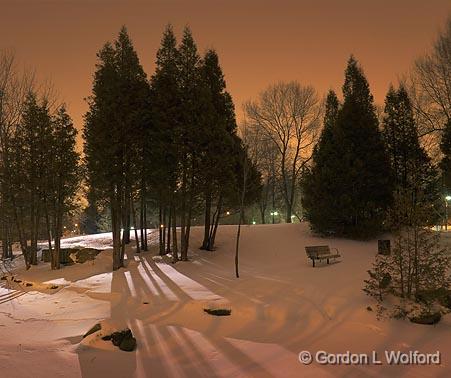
{"x": 321, "y": 252}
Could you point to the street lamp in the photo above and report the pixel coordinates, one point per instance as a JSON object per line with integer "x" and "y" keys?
{"x": 273, "y": 214}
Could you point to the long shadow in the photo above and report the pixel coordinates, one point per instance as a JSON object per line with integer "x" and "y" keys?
{"x": 151, "y": 267}
{"x": 200, "y": 362}
{"x": 179, "y": 349}
{"x": 95, "y": 360}
{"x": 11, "y": 295}
{"x": 127, "y": 285}
{"x": 245, "y": 363}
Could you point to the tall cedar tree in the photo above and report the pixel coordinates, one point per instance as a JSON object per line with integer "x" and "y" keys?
{"x": 414, "y": 175}
{"x": 111, "y": 126}
{"x": 217, "y": 160}
{"x": 32, "y": 142}
{"x": 317, "y": 182}
{"x": 357, "y": 171}
{"x": 195, "y": 113}
{"x": 165, "y": 136}
{"x": 63, "y": 181}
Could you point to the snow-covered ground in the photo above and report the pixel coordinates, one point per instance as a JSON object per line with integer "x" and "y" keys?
{"x": 280, "y": 307}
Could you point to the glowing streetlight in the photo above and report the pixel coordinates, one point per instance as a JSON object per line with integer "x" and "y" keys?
{"x": 254, "y": 222}
{"x": 227, "y": 212}
{"x": 273, "y": 214}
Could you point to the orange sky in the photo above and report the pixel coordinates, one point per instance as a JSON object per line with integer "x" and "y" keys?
{"x": 258, "y": 41}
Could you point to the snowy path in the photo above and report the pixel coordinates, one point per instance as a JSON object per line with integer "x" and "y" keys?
{"x": 280, "y": 306}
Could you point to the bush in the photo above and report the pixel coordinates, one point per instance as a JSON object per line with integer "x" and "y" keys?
{"x": 426, "y": 318}
{"x": 218, "y": 311}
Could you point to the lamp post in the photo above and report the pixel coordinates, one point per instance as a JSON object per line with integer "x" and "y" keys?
{"x": 447, "y": 198}
{"x": 273, "y": 214}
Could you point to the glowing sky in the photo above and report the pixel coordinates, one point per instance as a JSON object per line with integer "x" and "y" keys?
{"x": 258, "y": 41}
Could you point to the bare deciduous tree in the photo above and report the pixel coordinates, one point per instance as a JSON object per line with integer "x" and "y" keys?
{"x": 288, "y": 114}
{"x": 430, "y": 88}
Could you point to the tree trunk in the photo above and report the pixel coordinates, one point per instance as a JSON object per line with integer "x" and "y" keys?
{"x": 135, "y": 226}
{"x": 58, "y": 231}
{"x": 116, "y": 228}
{"x": 145, "y": 247}
{"x": 206, "y": 241}
{"x": 168, "y": 229}
{"x": 160, "y": 230}
{"x": 175, "y": 256}
{"x": 238, "y": 233}
{"x": 126, "y": 220}
{"x": 288, "y": 214}
{"x": 190, "y": 213}
{"x": 212, "y": 241}
{"x": 141, "y": 220}
{"x": 183, "y": 214}
{"x": 49, "y": 237}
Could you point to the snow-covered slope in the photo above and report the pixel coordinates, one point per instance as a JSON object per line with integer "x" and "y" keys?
{"x": 280, "y": 307}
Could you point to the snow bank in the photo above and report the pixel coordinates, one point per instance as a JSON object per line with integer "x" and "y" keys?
{"x": 280, "y": 307}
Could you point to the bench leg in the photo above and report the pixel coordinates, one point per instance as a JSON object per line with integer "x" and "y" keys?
{"x": 313, "y": 260}
{"x": 328, "y": 261}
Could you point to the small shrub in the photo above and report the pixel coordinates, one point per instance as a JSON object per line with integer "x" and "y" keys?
{"x": 218, "y": 311}
{"x": 426, "y": 318}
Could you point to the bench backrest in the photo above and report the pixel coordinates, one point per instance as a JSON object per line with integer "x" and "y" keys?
{"x": 317, "y": 250}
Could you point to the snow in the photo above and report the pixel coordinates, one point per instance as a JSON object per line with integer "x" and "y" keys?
{"x": 280, "y": 307}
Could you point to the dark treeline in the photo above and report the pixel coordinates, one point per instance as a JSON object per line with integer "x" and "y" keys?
{"x": 168, "y": 145}
{"x": 39, "y": 166}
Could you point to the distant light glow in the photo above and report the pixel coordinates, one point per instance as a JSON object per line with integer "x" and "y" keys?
{"x": 161, "y": 225}
{"x": 228, "y": 213}
{"x": 254, "y": 222}
{"x": 448, "y": 198}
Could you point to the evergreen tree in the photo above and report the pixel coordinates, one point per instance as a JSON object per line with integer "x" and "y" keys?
{"x": 32, "y": 146}
{"x": 195, "y": 113}
{"x": 365, "y": 182}
{"x": 414, "y": 175}
{"x": 217, "y": 177}
{"x": 111, "y": 125}
{"x": 318, "y": 181}
{"x": 358, "y": 174}
{"x": 165, "y": 138}
{"x": 63, "y": 182}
